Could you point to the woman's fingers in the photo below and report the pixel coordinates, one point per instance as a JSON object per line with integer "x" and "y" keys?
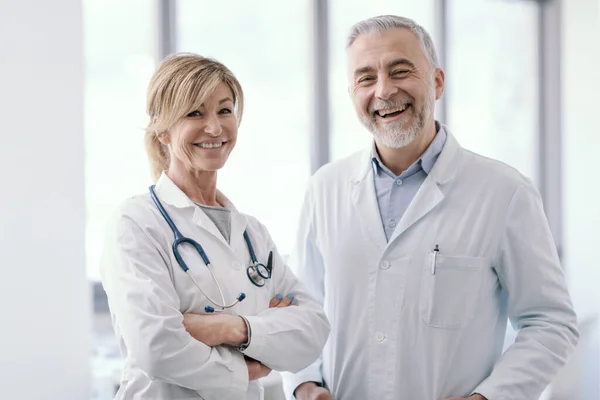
{"x": 275, "y": 301}
{"x": 280, "y": 301}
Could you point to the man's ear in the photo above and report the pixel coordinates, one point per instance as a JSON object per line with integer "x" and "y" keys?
{"x": 439, "y": 79}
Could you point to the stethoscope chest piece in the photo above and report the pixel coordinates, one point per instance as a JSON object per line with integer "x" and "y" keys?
{"x": 259, "y": 273}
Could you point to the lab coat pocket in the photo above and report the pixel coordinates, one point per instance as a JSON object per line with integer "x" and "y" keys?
{"x": 450, "y": 290}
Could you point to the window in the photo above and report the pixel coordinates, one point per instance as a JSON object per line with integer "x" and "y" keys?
{"x": 266, "y": 45}
{"x": 492, "y": 79}
{"x": 347, "y": 133}
{"x": 119, "y": 61}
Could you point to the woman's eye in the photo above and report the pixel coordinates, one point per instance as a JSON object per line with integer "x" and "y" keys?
{"x": 195, "y": 114}
{"x": 226, "y": 111}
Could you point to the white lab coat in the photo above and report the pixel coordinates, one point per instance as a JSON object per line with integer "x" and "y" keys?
{"x": 402, "y": 332}
{"x": 148, "y": 293}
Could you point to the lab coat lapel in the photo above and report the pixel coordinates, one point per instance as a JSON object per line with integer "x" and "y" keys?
{"x": 169, "y": 193}
{"x": 426, "y": 199}
{"x": 365, "y": 203}
{"x": 238, "y": 226}
{"x": 204, "y": 222}
{"x": 431, "y": 194}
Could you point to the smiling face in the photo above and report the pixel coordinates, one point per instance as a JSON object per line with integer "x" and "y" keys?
{"x": 393, "y": 86}
{"x": 203, "y": 140}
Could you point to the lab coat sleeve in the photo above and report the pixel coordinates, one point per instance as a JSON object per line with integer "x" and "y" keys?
{"x": 145, "y": 308}
{"x": 307, "y": 262}
{"x": 289, "y": 338}
{"x": 539, "y": 305}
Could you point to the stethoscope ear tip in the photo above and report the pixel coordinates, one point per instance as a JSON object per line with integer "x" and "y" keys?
{"x": 241, "y": 297}
{"x": 209, "y": 309}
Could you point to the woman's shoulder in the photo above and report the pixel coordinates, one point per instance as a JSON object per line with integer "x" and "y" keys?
{"x": 255, "y": 227}
{"x": 135, "y": 209}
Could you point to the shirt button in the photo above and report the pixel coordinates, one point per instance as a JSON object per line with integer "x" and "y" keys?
{"x": 398, "y": 182}
{"x": 392, "y": 223}
{"x": 379, "y": 336}
{"x": 385, "y": 264}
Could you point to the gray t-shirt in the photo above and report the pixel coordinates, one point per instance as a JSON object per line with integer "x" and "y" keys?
{"x": 221, "y": 217}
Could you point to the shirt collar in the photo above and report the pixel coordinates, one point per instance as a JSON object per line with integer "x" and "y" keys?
{"x": 425, "y": 162}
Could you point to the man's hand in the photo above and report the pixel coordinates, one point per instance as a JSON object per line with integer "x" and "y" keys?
{"x": 280, "y": 302}
{"x": 256, "y": 370}
{"x": 476, "y": 396}
{"x": 216, "y": 329}
{"x": 310, "y": 391}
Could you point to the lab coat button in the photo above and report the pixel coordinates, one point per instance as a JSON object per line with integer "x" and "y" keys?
{"x": 237, "y": 265}
{"x": 385, "y": 264}
{"x": 379, "y": 336}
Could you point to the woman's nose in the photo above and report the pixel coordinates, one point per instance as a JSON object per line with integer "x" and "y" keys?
{"x": 213, "y": 127}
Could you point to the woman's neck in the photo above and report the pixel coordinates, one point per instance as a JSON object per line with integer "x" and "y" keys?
{"x": 199, "y": 186}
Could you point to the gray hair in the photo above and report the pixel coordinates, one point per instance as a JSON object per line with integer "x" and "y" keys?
{"x": 384, "y": 23}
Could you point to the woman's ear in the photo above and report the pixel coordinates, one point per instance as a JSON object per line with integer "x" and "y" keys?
{"x": 164, "y": 138}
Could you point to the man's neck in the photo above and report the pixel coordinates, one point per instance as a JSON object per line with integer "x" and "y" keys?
{"x": 399, "y": 160}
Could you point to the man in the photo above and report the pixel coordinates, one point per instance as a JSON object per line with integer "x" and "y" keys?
{"x": 420, "y": 250}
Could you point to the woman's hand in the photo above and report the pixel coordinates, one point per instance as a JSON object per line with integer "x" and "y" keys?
{"x": 256, "y": 370}
{"x": 279, "y": 301}
{"x": 224, "y": 329}
{"x": 216, "y": 329}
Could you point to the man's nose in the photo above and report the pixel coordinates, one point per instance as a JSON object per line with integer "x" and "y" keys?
{"x": 385, "y": 89}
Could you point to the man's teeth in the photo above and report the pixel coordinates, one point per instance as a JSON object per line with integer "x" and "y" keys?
{"x": 210, "y": 145}
{"x": 384, "y": 113}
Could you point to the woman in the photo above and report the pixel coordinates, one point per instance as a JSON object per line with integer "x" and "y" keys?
{"x": 189, "y": 279}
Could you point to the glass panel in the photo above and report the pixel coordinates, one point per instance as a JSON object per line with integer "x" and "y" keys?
{"x": 266, "y": 45}
{"x": 119, "y": 61}
{"x": 347, "y": 133}
{"x": 492, "y": 79}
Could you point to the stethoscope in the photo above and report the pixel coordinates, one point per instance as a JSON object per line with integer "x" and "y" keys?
{"x": 257, "y": 273}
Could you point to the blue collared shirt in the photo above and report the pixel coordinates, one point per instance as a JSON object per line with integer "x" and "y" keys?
{"x": 395, "y": 193}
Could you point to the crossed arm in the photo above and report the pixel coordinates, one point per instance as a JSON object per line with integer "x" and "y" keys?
{"x": 229, "y": 330}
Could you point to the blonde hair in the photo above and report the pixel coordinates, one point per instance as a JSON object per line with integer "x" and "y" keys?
{"x": 179, "y": 86}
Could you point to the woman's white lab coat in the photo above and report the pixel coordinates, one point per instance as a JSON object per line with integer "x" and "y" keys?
{"x": 148, "y": 294}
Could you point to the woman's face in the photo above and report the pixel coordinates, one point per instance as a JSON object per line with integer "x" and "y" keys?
{"x": 203, "y": 140}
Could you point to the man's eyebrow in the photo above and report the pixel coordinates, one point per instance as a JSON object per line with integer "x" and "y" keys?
{"x": 391, "y": 64}
{"x": 401, "y": 61}
{"x": 363, "y": 70}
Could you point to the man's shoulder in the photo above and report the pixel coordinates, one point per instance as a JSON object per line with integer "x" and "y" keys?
{"x": 342, "y": 169}
{"x": 493, "y": 171}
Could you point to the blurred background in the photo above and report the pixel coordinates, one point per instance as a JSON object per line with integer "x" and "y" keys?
{"x": 522, "y": 80}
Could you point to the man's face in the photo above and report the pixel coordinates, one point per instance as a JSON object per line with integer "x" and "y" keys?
{"x": 393, "y": 86}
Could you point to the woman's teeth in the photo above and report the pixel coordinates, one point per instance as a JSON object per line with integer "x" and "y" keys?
{"x": 210, "y": 145}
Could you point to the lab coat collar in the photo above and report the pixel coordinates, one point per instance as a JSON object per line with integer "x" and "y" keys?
{"x": 429, "y": 195}
{"x": 169, "y": 193}
{"x": 443, "y": 170}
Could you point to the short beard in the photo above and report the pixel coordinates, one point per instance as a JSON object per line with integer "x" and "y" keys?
{"x": 393, "y": 135}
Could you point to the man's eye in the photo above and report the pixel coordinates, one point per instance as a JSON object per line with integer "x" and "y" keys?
{"x": 400, "y": 72}
{"x": 365, "y": 79}
{"x": 195, "y": 114}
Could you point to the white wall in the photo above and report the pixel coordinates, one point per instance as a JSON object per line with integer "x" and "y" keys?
{"x": 581, "y": 141}
{"x": 45, "y": 334}
{"x": 581, "y": 178}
